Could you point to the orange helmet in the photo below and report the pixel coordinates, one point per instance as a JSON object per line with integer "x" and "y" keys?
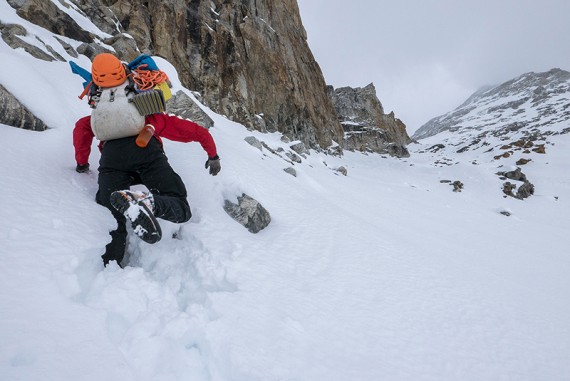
{"x": 107, "y": 70}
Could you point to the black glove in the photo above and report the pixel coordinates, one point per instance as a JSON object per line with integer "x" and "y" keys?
{"x": 82, "y": 168}
{"x": 214, "y": 164}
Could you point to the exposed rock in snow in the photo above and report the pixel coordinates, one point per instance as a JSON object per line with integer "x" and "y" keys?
{"x": 182, "y": 105}
{"x": 13, "y": 113}
{"x": 249, "y": 213}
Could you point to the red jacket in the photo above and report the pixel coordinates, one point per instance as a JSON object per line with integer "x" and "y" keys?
{"x": 168, "y": 126}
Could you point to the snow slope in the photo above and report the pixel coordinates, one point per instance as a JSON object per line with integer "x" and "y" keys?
{"x": 384, "y": 274}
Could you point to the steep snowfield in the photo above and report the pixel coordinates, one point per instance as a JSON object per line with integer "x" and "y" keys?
{"x": 384, "y": 274}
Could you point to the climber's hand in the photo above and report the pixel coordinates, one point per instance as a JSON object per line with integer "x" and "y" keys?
{"x": 214, "y": 164}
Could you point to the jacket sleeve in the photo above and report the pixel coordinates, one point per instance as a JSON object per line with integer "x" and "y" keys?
{"x": 182, "y": 130}
{"x": 82, "y": 139}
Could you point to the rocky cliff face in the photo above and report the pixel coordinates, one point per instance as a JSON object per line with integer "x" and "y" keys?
{"x": 248, "y": 59}
{"x": 366, "y": 127}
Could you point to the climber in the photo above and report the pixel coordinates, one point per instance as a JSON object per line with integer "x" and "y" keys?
{"x": 128, "y": 157}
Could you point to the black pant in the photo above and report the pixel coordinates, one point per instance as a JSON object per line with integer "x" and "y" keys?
{"x": 123, "y": 164}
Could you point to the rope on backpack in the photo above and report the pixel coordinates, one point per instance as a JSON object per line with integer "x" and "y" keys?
{"x": 148, "y": 79}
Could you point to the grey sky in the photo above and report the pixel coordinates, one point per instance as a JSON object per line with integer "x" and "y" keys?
{"x": 426, "y": 57}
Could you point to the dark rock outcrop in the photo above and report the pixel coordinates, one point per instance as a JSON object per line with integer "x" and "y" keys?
{"x": 10, "y": 34}
{"x": 13, "y": 113}
{"x": 457, "y": 186}
{"x": 524, "y": 191}
{"x": 516, "y": 175}
{"x": 182, "y": 105}
{"x": 365, "y": 125}
{"x": 249, "y": 213}
{"x": 47, "y": 15}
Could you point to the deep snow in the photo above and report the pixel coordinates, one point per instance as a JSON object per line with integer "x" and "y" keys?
{"x": 384, "y": 274}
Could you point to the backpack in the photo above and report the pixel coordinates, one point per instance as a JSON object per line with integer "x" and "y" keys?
{"x": 122, "y": 95}
{"x": 114, "y": 115}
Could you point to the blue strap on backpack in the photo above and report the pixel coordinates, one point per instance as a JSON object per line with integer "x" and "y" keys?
{"x": 76, "y": 69}
{"x": 143, "y": 59}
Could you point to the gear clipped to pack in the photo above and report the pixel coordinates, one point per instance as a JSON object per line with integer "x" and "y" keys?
{"x": 149, "y": 102}
{"x": 152, "y": 85}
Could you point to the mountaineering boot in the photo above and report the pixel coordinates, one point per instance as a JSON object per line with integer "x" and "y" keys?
{"x": 138, "y": 207}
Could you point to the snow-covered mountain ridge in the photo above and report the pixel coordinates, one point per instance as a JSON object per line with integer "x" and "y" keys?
{"x": 506, "y": 127}
{"x": 533, "y": 102}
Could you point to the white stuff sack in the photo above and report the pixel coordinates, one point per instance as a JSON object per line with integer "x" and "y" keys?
{"x": 114, "y": 116}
